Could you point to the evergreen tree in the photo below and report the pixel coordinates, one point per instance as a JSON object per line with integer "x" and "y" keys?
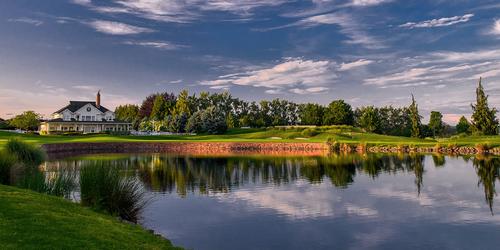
{"x": 484, "y": 119}
{"x": 415, "y": 118}
{"x": 213, "y": 121}
{"x": 128, "y": 113}
{"x": 182, "y": 105}
{"x": 194, "y": 123}
{"x": 436, "y": 124}
{"x": 177, "y": 123}
{"x": 463, "y": 125}
{"x": 159, "y": 108}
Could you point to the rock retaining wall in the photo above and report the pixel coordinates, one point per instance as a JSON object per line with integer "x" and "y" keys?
{"x": 196, "y": 148}
{"x": 452, "y": 150}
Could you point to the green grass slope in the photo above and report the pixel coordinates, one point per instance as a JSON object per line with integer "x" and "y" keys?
{"x": 341, "y": 134}
{"x": 30, "y": 220}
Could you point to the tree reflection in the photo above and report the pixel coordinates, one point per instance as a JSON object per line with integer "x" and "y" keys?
{"x": 189, "y": 174}
{"x": 185, "y": 174}
{"x": 487, "y": 169}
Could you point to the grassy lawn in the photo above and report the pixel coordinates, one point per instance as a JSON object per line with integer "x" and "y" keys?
{"x": 30, "y": 220}
{"x": 341, "y": 135}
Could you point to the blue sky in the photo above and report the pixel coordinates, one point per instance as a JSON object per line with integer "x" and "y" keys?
{"x": 368, "y": 52}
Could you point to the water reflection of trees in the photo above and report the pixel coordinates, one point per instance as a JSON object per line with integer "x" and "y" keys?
{"x": 186, "y": 174}
{"x": 200, "y": 174}
{"x": 487, "y": 169}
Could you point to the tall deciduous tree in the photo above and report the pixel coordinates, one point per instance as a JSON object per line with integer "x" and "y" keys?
{"x": 463, "y": 125}
{"x": 146, "y": 107}
{"x": 338, "y": 113}
{"x": 484, "y": 119}
{"x": 311, "y": 114}
{"x": 28, "y": 120}
{"x": 369, "y": 119}
{"x": 415, "y": 118}
{"x": 436, "y": 124}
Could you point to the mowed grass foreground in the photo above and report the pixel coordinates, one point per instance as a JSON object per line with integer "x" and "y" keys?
{"x": 30, "y": 220}
{"x": 341, "y": 134}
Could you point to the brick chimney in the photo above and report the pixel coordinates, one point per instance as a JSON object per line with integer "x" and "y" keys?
{"x": 98, "y": 99}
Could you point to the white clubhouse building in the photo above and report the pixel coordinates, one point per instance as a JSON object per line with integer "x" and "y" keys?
{"x": 85, "y": 117}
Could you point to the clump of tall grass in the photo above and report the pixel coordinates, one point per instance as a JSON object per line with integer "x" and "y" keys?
{"x": 61, "y": 183}
{"x": 24, "y": 152}
{"x": 6, "y": 164}
{"x": 102, "y": 187}
{"x": 482, "y": 147}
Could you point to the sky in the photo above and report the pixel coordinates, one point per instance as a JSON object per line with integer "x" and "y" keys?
{"x": 367, "y": 52}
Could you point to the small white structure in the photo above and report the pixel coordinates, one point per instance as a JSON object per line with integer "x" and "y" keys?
{"x": 84, "y": 117}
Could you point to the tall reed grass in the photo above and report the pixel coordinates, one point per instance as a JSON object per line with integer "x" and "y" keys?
{"x": 24, "y": 152}
{"x": 102, "y": 187}
{"x": 6, "y": 164}
{"x": 62, "y": 183}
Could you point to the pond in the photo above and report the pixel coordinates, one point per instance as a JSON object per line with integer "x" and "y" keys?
{"x": 355, "y": 201}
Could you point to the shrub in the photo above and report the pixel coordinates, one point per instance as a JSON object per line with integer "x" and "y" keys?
{"x": 24, "y": 152}
{"x": 118, "y": 133}
{"x": 103, "y": 188}
{"x": 334, "y": 145}
{"x": 310, "y": 132}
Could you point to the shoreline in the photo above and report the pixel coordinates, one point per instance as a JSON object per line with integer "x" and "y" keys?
{"x": 60, "y": 150}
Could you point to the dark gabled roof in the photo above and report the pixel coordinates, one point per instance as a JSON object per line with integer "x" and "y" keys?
{"x": 76, "y": 105}
{"x": 74, "y": 120}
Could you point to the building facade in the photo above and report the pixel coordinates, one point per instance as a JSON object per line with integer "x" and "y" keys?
{"x": 83, "y": 117}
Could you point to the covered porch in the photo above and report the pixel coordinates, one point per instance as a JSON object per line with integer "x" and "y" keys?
{"x": 84, "y": 127}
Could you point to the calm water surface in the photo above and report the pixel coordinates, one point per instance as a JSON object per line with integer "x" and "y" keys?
{"x": 335, "y": 202}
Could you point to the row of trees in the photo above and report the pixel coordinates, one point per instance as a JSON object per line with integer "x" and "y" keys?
{"x": 214, "y": 113}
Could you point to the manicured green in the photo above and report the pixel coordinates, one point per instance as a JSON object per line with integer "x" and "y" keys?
{"x": 341, "y": 134}
{"x": 30, "y": 220}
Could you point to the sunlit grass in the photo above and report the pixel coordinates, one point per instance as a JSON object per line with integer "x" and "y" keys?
{"x": 341, "y": 134}
{"x": 31, "y": 220}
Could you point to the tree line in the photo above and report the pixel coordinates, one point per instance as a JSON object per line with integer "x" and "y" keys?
{"x": 214, "y": 113}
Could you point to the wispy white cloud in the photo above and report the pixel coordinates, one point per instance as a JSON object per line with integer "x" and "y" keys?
{"x": 445, "y": 21}
{"x": 26, "y": 20}
{"x": 461, "y": 57}
{"x": 368, "y": 2}
{"x": 349, "y": 26}
{"x": 355, "y": 64}
{"x": 294, "y": 75}
{"x": 117, "y": 28}
{"x": 161, "y": 45}
{"x": 440, "y": 69}
{"x": 180, "y": 11}
{"x": 495, "y": 28}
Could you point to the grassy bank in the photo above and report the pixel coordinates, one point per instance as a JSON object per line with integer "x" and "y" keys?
{"x": 339, "y": 134}
{"x": 30, "y": 220}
